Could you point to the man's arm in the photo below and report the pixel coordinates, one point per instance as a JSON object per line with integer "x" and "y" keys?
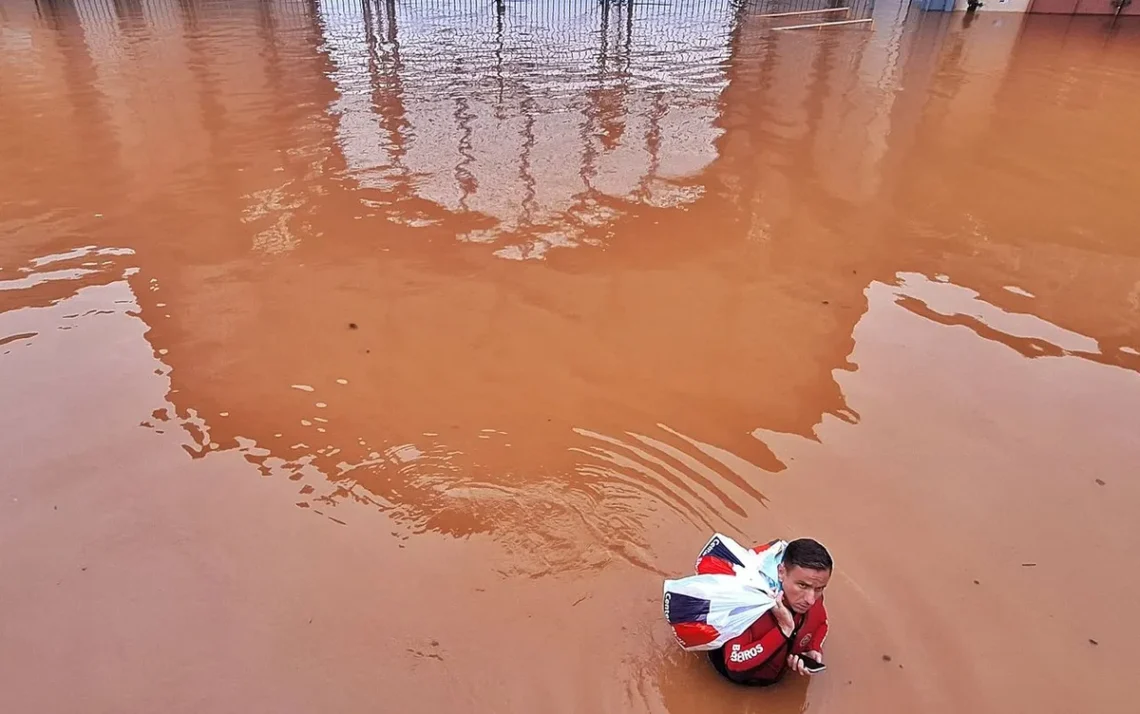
{"x": 819, "y": 636}
{"x": 816, "y": 651}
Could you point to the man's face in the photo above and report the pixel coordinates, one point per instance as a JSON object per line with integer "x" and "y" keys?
{"x": 803, "y": 586}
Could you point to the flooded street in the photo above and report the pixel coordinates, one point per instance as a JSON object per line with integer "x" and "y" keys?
{"x": 386, "y": 356}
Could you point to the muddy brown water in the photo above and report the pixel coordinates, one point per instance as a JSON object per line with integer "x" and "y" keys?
{"x": 367, "y": 357}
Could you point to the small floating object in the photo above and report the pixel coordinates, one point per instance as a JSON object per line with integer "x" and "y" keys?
{"x": 302, "y": 387}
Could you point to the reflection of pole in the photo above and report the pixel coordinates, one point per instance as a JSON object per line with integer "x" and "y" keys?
{"x": 604, "y": 48}
{"x": 388, "y": 94}
{"x": 628, "y": 33}
{"x": 92, "y": 125}
{"x": 741, "y": 109}
{"x": 607, "y": 100}
{"x": 592, "y": 108}
{"x": 128, "y": 9}
{"x": 735, "y": 31}
{"x": 210, "y": 107}
{"x": 500, "y": 10}
{"x": 653, "y": 142}
{"x": 274, "y": 73}
{"x": 463, "y": 176}
{"x": 53, "y": 12}
{"x": 189, "y": 12}
{"x": 390, "y": 12}
{"x": 369, "y": 31}
{"x": 525, "y": 172}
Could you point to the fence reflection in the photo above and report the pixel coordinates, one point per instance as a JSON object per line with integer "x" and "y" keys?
{"x": 480, "y": 14}
{"x": 537, "y": 122}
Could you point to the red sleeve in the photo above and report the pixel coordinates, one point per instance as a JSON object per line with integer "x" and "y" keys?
{"x": 749, "y": 650}
{"x": 819, "y": 636}
{"x": 815, "y": 636}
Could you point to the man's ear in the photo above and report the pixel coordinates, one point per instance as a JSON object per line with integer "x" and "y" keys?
{"x": 782, "y": 572}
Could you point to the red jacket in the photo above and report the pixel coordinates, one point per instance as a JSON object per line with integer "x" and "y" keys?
{"x": 759, "y": 655}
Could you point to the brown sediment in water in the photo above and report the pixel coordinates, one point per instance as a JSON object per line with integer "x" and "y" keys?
{"x": 347, "y": 368}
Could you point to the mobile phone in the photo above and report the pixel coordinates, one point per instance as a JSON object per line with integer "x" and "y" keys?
{"x": 812, "y": 665}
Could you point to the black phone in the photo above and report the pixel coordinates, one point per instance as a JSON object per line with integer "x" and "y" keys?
{"x": 812, "y": 665}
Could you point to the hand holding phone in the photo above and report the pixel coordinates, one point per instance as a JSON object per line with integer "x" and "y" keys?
{"x": 809, "y": 665}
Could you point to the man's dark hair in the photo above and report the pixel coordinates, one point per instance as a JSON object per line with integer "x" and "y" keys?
{"x": 807, "y": 553}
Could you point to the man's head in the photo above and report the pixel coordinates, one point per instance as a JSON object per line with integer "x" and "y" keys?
{"x": 804, "y": 573}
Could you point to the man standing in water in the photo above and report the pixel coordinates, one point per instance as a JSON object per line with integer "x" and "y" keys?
{"x": 796, "y": 626}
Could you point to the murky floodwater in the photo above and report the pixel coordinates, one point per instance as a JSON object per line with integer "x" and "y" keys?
{"x": 384, "y": 356}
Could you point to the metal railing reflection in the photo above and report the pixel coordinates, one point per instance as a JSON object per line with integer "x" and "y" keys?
{"x": 479, "y": 13}
{"x": 536, "y": 125}
{"x": 527, "y": 124}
